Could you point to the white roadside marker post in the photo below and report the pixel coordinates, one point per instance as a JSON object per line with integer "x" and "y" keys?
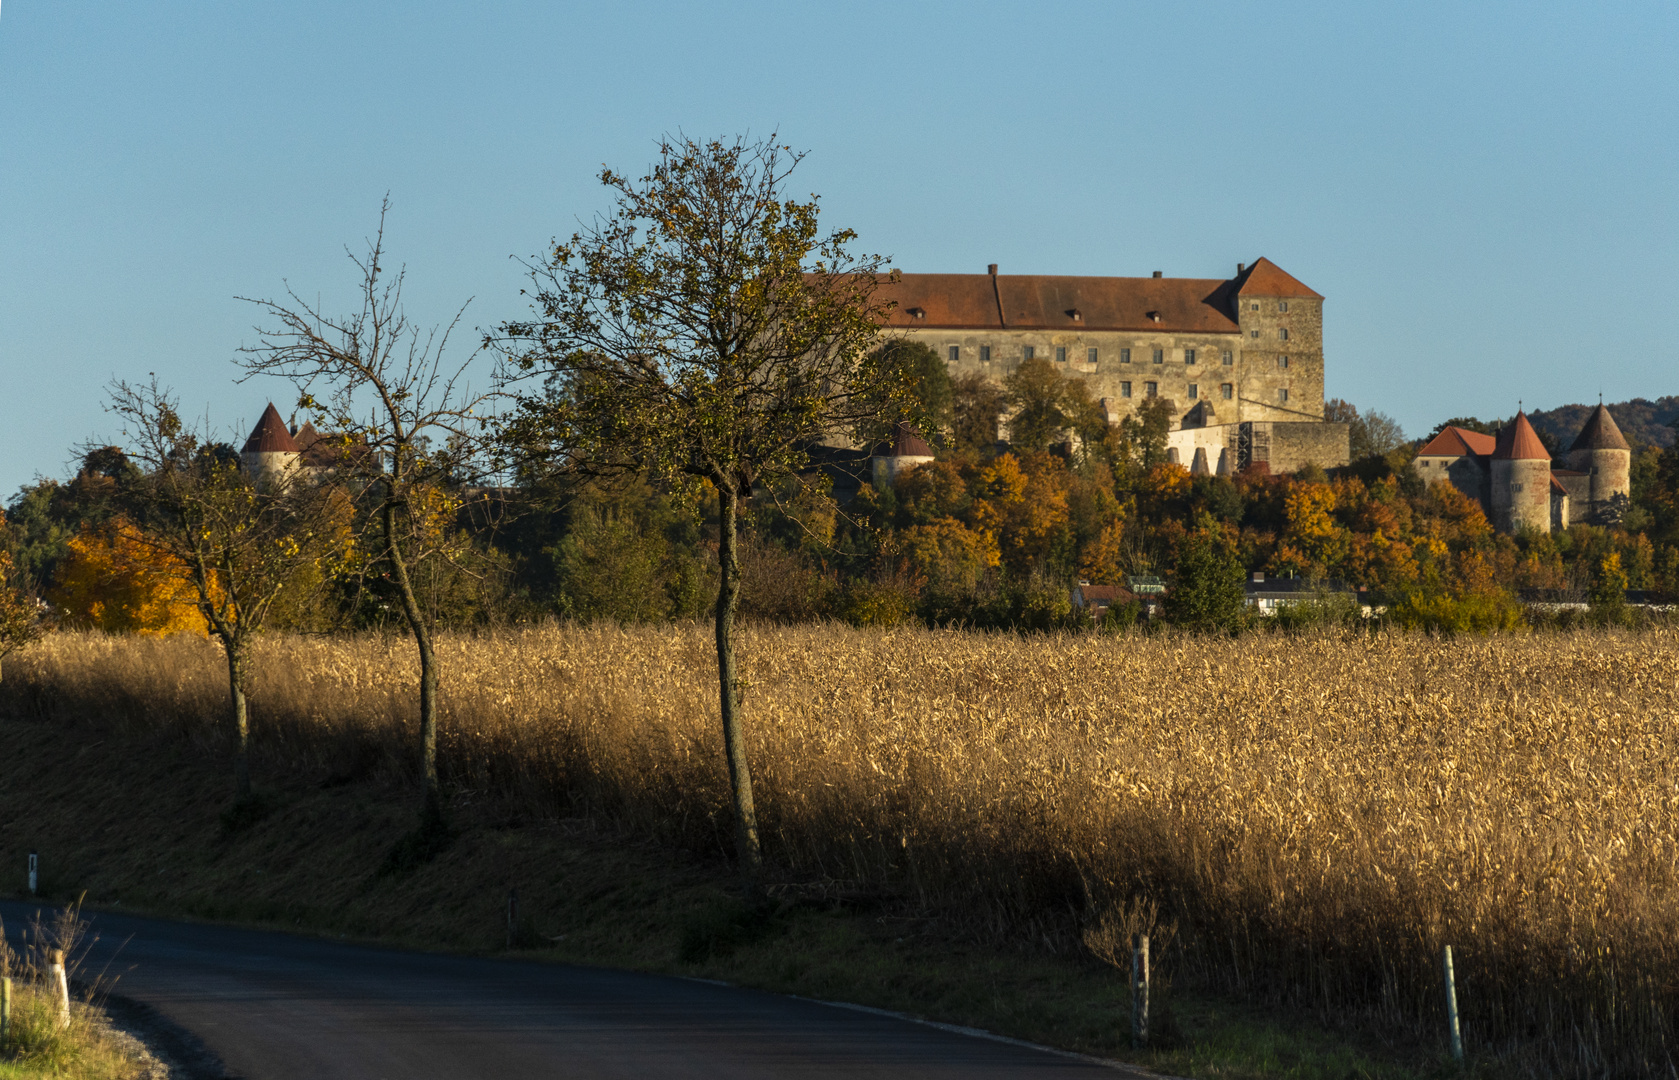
{"x": 60, "y": 987}
{"x": 1451, "y": 1008}
{"x": 5, "y": 1010}
{"x": 1139, "y": 992}
{"x": 34, "y": 872}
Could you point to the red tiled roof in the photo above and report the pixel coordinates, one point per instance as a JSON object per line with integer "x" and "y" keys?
{"x": 907, "y": 443}
{"x": 1044, "y": 302}
{"x": 1266, "y": 278}
{"x": 1519, "y": 442}
{"x": 1600, "y": 433}
{"x": 270, "y": 435}
{"x": 1556, "y": 485}
{"x": 1456, "y": 442}
{"x": 1100, "y": 593}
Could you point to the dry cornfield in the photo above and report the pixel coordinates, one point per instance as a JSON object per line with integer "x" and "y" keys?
{"x": 1314, "y": 815}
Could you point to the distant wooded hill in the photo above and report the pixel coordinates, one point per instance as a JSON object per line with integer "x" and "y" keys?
{"x": 1640, "y": 420}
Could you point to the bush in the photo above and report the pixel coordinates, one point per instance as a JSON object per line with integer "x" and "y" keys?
{"x": 1477, "y": 613}
{"x": 1208, "y": 596}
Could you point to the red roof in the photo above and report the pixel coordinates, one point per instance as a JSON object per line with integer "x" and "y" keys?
{"x": 1042, "y": 302}
{"x": 270, "y": 435}
{"x": 1556, "y": 485}
{"x": 1456, "y": 442}
{"x": 907, "y": 443}
{"x": 1600, "y": 433}
{"x": 1266, "y": 278}
{"x": 1519, "y": 442}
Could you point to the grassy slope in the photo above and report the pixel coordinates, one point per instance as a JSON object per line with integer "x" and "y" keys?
{"x": 134, "y": 822}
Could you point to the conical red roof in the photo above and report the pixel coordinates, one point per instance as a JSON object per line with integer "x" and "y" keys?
{"x": 1266, "y": 278}
{"x": 908, "y": 443}
{"x": 1600, "y": 433}
{"x": 270, "y": 435}
{"x": 1519, "y": 442}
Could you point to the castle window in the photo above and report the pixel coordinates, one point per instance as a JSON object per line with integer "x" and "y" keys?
{"x": 1160, "y": 356}
{"x": 1227, "y": 390}
{"x": 1189, "y": 356}
{"x": 1282, "y": 395}
{"x": 1282, "y": 334}
{"x": 1028, "y": 352}
{"x": 1125, "y": 356}
{"x": 1124, "y": 389}
{"x": 955, "y": 353}
{"x": 1090, "y": 356}
{"x": 1151, "y": 389}
{"x": 1194, "y": 391}
{"x": 1253, "y": 333}
{"x": 1282, "y": 362}
{"x": 1515, "y": 487}
{"x": 1060, "y": 354}
{"x": 1282, "y": 305}
{"x": 985, "y": 354}
{"x": 1229, "y": 358}
{"x": 1254, "y": 306}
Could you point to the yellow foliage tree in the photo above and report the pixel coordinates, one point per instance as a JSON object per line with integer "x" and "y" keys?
{"x": 115, "y": 580}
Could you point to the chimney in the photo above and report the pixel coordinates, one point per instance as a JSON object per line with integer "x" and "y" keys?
{"x": 1241, "y": 268}
{"x": 991, "y": 269}
{"x": 1157, "y": 273}
{"x": 1258, "y": 575}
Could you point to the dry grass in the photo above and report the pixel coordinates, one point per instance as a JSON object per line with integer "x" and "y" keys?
{"x": 1314, "y": 816}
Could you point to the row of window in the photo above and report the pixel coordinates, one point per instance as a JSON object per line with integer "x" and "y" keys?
{"x": 1282, "y": 305}
{"x": 1225, "y": 391}
{"x": 1282, "y": 333}
{"x": 1028, "y": 352}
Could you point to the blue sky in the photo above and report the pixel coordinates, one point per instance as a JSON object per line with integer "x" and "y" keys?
{"x": 1484, "y": 193}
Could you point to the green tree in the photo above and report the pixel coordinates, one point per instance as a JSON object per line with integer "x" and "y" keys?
{"x": 931, "y": 404}
{"x": 20, "y": 613}
{"x": 1047, "y": 406}
{"x": 706, "y": 329}
{"x": 976, "y": 403}
{"x": 1207, "y": 593}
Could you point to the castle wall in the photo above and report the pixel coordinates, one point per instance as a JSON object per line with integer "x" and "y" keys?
{"x": 1263, "y": 323}
{"x": 1521, "y": 494}
{"x": 1296, "y": 444}
{"x": 267, "y": 464}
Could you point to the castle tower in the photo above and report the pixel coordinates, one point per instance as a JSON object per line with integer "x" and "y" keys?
{"x": 1521, "y": 479}
{"x": 270, "y": 451}
{"x": 1602, "y": 452}
{"x": 907, "y": 450}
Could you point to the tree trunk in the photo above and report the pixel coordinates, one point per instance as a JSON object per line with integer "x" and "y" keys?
{"x": 740, "y": 779}
{"x": 241, "y": 723}
{"x": 428, "y": 668}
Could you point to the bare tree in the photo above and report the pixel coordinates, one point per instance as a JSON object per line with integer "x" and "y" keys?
{"x": 241, "y": 540}
{"x": 406, "y": 429}
{"x": 706, "y": 330}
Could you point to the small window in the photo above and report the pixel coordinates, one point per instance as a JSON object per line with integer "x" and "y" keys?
{"x": 985, "y": 354}
{"x": 1229, "y": 358}
{"x": 1060, "y": 354}
{"x": 1125, "y": 356}
{"x": 955, "y": 353}
{"x": 1227, "y": 390}
{"x": 1189, "y": 356}
{"x": 1515, "y": 487}
{"x": 1124, "y": 389}
{"x": 1254, "y": 306}
{"x": 1090, "y": 356}
{"x": 1194, "y": 391}
{"x": 1151, "y": 389}
{"x": 1282, "y": 362}
{"x": 1282, "y": 395}
{"x": 1283, "y": 333}
{"x": 1253, "y": 333}
{"x": 1160, "y": 356}
{"x": 1282, "y": 305}
{"x": 1028, "y": 352}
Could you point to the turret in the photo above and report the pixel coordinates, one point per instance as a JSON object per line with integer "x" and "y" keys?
{"x": 1601, "y": 451}
{"x": 270, "y": 451}
{"x": 906, "y": 450}
{"x": 1521, "y": 479}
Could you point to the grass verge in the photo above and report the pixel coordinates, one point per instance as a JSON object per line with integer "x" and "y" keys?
{"x": 136, "y": 822}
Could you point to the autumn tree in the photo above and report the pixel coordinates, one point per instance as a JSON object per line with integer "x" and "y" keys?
{"x": 20, "y": 612}
{"x": 405, "y": 429}
{"x": 976, "y": 403}
{"x": 706, "y": 329}
{"x": 239, "y": 541}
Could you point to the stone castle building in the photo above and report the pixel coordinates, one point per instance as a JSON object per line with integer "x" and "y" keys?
{"x": 1514, "y": 479}
{"x": 275, "y": 451}
{"x": 1240, "y": 361}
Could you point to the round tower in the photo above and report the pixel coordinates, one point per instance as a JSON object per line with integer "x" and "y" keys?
{"x": 1602, "y": 451}
{"x": 1521, "y": 479}
{"x": 270, "y": 451}
{"x": 906, "y": 450}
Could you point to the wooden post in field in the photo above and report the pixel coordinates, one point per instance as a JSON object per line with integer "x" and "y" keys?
{"x": 60, "y": 987}
{"x": 5, "y": 1009}
{"x": 512, "y": 915}
{"x": 1451, "y": 1008}
{"x": 1139, "y": 992}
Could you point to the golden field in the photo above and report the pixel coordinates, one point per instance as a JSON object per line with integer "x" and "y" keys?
{"x": 1306, "y": 818}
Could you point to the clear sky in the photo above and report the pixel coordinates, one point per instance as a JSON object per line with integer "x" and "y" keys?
{"x": 1485, "y": 193}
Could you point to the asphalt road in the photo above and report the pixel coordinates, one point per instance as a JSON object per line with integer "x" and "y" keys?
{"x": 271, "y": 1005}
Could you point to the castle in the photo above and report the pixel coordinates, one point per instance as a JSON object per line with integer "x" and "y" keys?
{"x": 1239, "y": 361}
{"x": 274, "y": 451}
{"x": 1512, "y": 477}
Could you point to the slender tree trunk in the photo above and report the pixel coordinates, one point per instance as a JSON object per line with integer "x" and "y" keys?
{"x": 734, "y": 741}
{"x": 428, "y": 668}
{"x": 241, "y": 722}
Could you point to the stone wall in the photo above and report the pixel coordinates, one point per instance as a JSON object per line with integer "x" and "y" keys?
{"x": 1264, "y": 321}
{"x": 1296, "y": 444}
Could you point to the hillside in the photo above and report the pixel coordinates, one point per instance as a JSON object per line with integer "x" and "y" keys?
{"x": 1641, "y": 420}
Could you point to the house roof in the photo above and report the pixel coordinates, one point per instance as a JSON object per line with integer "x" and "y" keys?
{"x": 1101, "y": 594}
{"x": 1456, "y": 442}
{"x": 1046, "y": 302}
{"x": 1519, "y": 442}
{"x": 1600, "y": 433}
{"x": 1557, "y": 488}
{"x": 906, "y": 443}
{"x": 270, "y": 435}
{"x": 1266, "y": 278}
